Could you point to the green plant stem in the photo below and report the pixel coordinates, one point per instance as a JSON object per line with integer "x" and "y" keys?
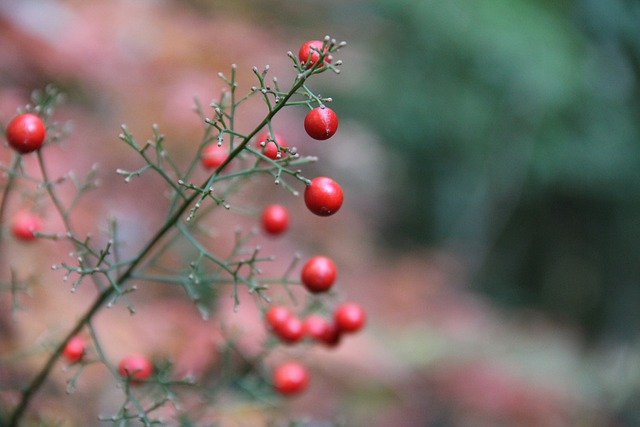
{"x": 104, "y": 296}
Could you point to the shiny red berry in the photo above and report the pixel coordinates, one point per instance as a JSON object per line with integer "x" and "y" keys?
{"x": 318, "y": 274}
{"x": 275, "y": 219}
{"x": 277, "y": 315}
{"x": 349, "y": 317}
{"x": 270, "y": 149}
{"x": 290, "y": 378}
{"x": 26, "y": 133}
{"x": 321, "y": 123}
{"x": 291, "y": 331}
{"x": 320, "y": 329}
{"x": 310, "y": 51}
{"x": 323, "y": 196}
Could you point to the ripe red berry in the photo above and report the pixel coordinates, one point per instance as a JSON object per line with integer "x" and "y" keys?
{"x": 310, "y": 51}
{"x": 270, "y": 149}
{"x": 349, "y": 317}
{"x": 321, "y": 123}
{"x": 290, "y": 378}
{"x": 25, "y": 224}
{"x": 320, "y": 329}
{"x": 291, "y": 331}
{"x": 213, "y": 155}
{"x": 277, "y": 315}
{"x": 26, "y": 133}
{"x": 323, "y": 196}
{"x": 318, "y": 274}
{"x": 275, "y": 219}
{"x": 74, "y": 349}
{"x": 135, "y": 367}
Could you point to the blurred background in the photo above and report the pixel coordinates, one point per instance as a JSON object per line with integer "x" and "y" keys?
{"x": 490, "y": 155}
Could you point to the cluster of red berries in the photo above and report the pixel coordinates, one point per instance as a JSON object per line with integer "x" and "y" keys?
{"x": 323, "y": 196}
{"x": 348, "y": 317}
{"x": 291, "y": 377}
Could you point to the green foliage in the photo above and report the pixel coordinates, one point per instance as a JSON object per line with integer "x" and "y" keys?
{"x": 518, "y": 126}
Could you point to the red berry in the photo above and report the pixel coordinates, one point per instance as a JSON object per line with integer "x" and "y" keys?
{"x": 277, "y": 315}
{"x": 310, "y": 51}
{"x": 318, "y": 274}
{"x": 135, "y": 367}
{"x": 349, "y": 317}
{"x": 270, "y": 149}
{"x": 321, "y": 123}
{"x": 213, "y": 155}
{"x": 290, "y": 378}
{"x": 275, "y": 219}
{"x": 26, "y": 133}
{"x": 74, "y": 349}
{"x": 25, "y": 224}
{"x": 323, "y": 196}
{"x": 291, "y": 331}
{"x": 320, "y": 329}
{"x": 333, "y": 336}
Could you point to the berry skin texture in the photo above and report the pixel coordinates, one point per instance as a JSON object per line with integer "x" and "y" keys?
{"x": 74, "y": 349}
{"x": 135, "y": 367}
{"x": 323, "y": 196}
{"x": 349, "y": 317}
{"x": 290, "y": 378}
{"x": 213, "y": 156}
{"x": 270, "y": 149}
{"x": 306, "y": 51}
{"x": 26, "y": 133}
{"x": 321, "y": 123}
{"x": 275, "y": 219}
{"x": 24, "y": 225}
{"x": 318, "y": 274}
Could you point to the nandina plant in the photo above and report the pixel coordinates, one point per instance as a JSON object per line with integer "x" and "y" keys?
{"x": 153, "y": 393}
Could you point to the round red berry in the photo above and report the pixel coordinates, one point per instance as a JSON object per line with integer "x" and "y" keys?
{"x": 321, "y": 123}
{"x": 318, "y": 274}
{"x": 25, "y": 224}
{"x": 277, "y": 315}
{"x": 135, "y": 367}
{"x": 74, "y": 349}
{"x": 310, "y": 51}
{"x": 349, "y": 317}
{"x": 321, "y": 329}
{"x": 290, "y": 378}
{"x": 213, "y": 155}
{"x": 291, "y": 331}
{"x": 275, "y": 219}
{"x": 26, "y": 133}
{"x": 270, "y": 149}
{"x": 323, "y": 196}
